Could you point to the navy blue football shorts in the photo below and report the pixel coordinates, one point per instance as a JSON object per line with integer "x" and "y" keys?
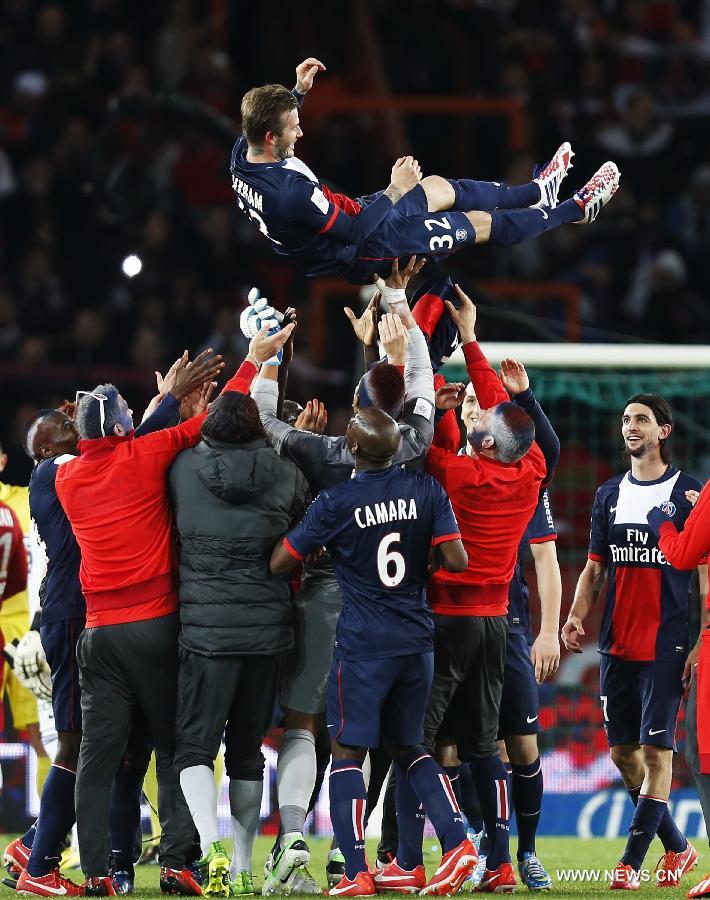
{"x": 410, "y": 229}
{"x": 370, "y": 699}
{"x": 59, "y": 645}
{"x": 640, "y": 700}
{"x": 520, "y": 703}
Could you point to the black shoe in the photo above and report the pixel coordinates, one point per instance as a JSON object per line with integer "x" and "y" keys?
{"x": 121, "y": 870}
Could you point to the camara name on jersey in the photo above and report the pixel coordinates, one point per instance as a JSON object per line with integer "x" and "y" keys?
{"x": 382, "y": 513}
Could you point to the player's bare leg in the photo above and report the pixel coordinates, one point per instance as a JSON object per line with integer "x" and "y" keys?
{"x": 522, "y": 749}
{"x": 647, "y": 773}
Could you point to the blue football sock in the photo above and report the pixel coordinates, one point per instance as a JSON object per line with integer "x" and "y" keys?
{"x": 488, "y": 195}
{"x": 348, "y": 798}
{"x": 517, "y": 225}
{"x": 526, "y": 785}
{"x": 668, "y": 832}
{"x": 469, "y": 799}
{"x": 429, "y": 782}
{"x": 492, "y": 787}
{"x": 643, "y": 828}
{"x": 56, "y": 817}
{"x": 452, "y": 773}
{"x": 29, "y": 836}
{"x": 125, "y": 812}
{"x": 410, "y": 823}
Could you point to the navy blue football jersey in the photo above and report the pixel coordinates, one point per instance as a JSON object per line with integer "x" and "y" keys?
{"x": 379, "y": 528}
{"x": 541, "y": 528}
{"x": 646, "y": 612}
{"x": 304, "y": 220}
{"x": 61, "y": 596}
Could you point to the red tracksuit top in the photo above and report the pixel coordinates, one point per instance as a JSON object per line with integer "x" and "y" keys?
{"x": 115, "y": 495}
{"x": 13, "y": 556}
{"x": 493, "y": 503}
{"x": 686, "y": 550}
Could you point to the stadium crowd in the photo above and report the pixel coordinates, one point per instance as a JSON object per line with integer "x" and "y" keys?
{"x": 191, "y": 593}
{"x": 624, "y": 79}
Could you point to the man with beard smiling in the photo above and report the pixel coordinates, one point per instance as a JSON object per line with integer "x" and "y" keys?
{"x": 643, "y": 639}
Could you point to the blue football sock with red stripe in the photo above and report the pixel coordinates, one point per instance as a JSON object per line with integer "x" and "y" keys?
{"x": 56, "y": 817}
{"x": 492, "y": 786}
{"x": 487, "y": 195}
{"x": 433, "y": 788}
{"x": 643, "y": 828}
{"x": 410, "y": 823}
{"x": 348, "y": 798}
{"x": 668, "y": 832}
{"x": 517, "y": 225}
{"x": 452, "y": 773}
{"x": 526, "y": 784}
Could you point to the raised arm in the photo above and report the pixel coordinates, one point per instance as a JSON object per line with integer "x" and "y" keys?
{"x": 515, "y": 380}
{"x": 486, "y": 383}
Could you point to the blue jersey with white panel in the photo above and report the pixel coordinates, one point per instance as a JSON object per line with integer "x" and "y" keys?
{"x": 379, "y": 528}
{"x": 540, "y": 529}
{"x": 646, "y": 611}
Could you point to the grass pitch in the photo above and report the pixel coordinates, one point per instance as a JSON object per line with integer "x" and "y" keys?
{"x": 587, "y": 858}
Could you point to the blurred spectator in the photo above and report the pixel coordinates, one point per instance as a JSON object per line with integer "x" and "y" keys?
{"x": 92, "y": 169}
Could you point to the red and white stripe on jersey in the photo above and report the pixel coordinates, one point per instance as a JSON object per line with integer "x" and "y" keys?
{"x": 359, "y": 819}
{"x": 449, "y": 791}
{"x": 502, "y": 808}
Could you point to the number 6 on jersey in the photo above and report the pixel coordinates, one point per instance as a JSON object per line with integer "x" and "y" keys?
{"x": 387, "y": 558}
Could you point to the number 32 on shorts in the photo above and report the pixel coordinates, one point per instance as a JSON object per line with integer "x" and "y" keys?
{"x": 443, "y": 241}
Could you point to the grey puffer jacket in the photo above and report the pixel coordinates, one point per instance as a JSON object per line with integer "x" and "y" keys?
{"x": 232, "y": 503}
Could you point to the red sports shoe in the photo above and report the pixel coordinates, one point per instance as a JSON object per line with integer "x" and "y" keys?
{"x": 16, "y": 856}
{"x": 99, "y": 886}
{"x": 179, "y": 881}
{"x": 453, "y": 870}
{"x": 394, "y": 879}
{"x": 673, "y": 866}
{"x": 360, "y": 886}
{"x": 625, "y": 878}
{"x": 702, "y": 889}
{"x": 497, "y": 881}
{"x": 52, "y": 885}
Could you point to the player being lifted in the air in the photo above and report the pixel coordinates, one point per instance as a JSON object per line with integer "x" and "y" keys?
{"x": 326, "y": 232}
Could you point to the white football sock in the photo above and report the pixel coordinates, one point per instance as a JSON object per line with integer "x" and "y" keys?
{"x": 245, "y": 805}
{"x": 200, "y": 790}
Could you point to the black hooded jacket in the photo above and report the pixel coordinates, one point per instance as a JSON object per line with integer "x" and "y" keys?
{"x": 232, "y": 503}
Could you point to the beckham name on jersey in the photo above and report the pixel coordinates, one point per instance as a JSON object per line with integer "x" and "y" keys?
{"x": 242, "y": 189}
{"x": 382, "y": 513}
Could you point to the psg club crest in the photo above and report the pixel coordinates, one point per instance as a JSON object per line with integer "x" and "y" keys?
{"x": 460, "y": 234}
{"x": 668, "y": 508}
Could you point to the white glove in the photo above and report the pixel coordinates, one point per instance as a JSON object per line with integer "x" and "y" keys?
{"x": 40, "y": 683}
{"x": 29, "y": 656}
{"x": 258, "y": 314}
